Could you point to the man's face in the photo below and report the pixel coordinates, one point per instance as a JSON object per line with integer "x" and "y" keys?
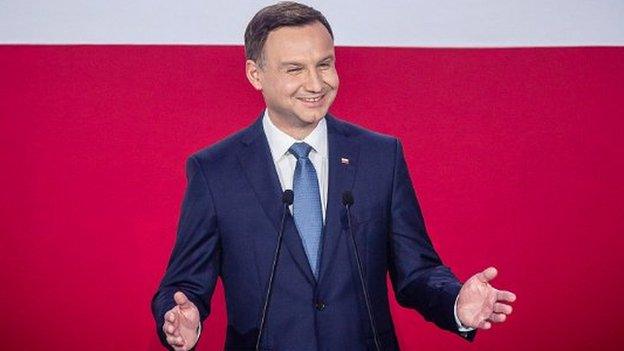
{"x": 298, "y": 78}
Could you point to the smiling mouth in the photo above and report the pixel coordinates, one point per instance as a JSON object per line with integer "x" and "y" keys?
{"x": 311, "y": 99}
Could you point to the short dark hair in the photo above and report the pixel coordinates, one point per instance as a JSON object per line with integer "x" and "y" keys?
{"x": 270, "y": 18}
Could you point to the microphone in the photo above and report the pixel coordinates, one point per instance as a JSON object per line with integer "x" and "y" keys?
{"x": 347, "y": 201}
{"x": 287, "y": 200}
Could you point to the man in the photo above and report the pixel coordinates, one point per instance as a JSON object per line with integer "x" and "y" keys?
{"x": 232, "y": 214}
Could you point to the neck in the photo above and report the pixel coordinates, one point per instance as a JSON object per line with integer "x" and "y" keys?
{"x": 296, "y": 130}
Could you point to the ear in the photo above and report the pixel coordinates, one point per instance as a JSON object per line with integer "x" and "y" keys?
{"x": 253, "y": 74}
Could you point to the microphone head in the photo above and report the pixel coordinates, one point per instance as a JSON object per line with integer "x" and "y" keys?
{"x": 288, "y": 197}
{"x": 347, "y": 198}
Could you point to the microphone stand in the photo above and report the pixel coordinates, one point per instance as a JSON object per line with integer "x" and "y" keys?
{"x": 287, "y": 200}
{"x": 347, "y": 201}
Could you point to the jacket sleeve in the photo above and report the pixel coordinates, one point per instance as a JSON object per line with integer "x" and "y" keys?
{"x": 194, "y": 263}
{"x": 419, "y": 278}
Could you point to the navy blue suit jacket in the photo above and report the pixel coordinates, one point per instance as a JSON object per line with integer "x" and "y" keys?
{"x": 228, "y": 228}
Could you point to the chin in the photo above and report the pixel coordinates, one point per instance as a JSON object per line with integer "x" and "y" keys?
{"x": 311, "y": 118}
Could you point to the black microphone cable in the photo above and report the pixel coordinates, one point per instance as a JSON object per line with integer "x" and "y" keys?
{"x": 287, "y": 200}
{"x": 347, "y": 201}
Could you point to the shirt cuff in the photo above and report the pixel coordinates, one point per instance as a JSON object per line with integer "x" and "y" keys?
{"x": 460, "y": 327}
{"x": 198, "y": 333}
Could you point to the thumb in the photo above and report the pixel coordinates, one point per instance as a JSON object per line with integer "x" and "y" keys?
{"x": 181, "y": 300}
{"x": 487, "y": 275}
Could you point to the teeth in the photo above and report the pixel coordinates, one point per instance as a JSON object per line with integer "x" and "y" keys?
{"x": 312, "y": 99}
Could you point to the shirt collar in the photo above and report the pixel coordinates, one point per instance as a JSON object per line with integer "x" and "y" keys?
{"x": 280, "y": 142}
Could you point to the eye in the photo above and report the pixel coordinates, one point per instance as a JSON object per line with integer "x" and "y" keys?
{"x": 325, "y": 65}
{"x": 293, "y": 70}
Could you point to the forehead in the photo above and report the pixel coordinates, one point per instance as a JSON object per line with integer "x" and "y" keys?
{"x": 301, "y": 43}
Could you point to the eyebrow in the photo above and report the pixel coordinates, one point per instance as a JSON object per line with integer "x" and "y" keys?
{"x": 298, "y": 64}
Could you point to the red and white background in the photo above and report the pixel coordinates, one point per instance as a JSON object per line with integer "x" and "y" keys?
{"x": 511, "y": 114}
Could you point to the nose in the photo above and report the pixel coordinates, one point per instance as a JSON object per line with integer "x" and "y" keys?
{"x": 314, "y": 81}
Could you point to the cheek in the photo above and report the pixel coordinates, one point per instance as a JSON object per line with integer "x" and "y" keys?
{"x": 280, "y": 86}
{"x": 283, "y": 84}
{"x": 289, "y": 88}
{"x": 331, "y": 78}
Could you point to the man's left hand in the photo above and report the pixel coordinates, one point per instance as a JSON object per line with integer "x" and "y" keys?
{"x": 479, "y": 304}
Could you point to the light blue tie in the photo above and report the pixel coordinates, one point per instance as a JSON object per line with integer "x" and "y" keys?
{"x": 307, "y": 204}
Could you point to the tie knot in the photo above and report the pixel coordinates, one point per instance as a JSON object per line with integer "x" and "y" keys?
{"x": 300, "y": 150}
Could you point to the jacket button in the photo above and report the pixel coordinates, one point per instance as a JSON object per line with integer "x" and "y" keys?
{"x": 319, "y": 305}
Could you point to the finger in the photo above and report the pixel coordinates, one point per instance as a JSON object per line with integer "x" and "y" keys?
{"x": 487, "y": 274}
{"x": 497, "y": 317}
{"x": 485, "y": 325}
{"x": 502, "y": 308}
{"x": 172, "y": 322}
{"x": 171, "y": 329}
{"x": 503, "y": 295}
{"x": 171, "y": 316}
{"x": 166, "y": 327}
{"x": 180, "y": 298}
{"x": 175, "y": 341}
{"x": 183, "y": 302}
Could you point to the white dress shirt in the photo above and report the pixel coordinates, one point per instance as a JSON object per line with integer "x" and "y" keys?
{"x": 285, "y": 162}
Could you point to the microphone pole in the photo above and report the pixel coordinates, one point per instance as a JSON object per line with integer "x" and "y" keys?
{"x": 287, "y": 200}
{"x": 347, "y": 201}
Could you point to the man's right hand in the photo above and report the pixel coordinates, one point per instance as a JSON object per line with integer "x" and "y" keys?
{"x": 182, "y": 323}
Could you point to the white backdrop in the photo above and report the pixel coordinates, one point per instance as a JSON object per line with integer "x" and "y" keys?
{"x": 421, "y": 23}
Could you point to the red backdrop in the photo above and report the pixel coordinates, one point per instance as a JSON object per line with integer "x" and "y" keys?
{"x": 516, "y": 155}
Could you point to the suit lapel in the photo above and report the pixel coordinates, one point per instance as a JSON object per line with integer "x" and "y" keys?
{"x": 343, "y": 153}
{"x": 257, "y": 163}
